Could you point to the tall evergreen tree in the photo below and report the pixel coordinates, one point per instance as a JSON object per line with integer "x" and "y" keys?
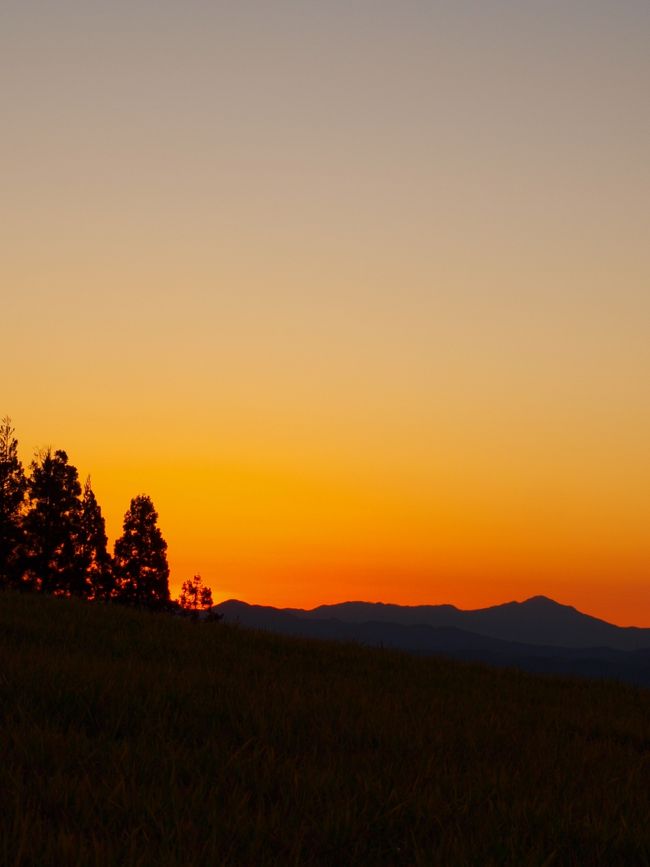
{"x": 140, "y": 560}
{"x": 52, "y": 523}
{"x": 12, "y": 495}
{"x": 94, "y": 572}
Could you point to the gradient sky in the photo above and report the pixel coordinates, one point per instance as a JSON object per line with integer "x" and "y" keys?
{"x": 358, "y": 292}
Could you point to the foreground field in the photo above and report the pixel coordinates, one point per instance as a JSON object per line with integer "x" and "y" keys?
{"x": 128, "y": 738}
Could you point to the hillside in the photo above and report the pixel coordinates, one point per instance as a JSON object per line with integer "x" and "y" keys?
{"x": 128, "y": 738}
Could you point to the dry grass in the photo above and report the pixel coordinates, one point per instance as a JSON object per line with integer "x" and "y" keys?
{"x": 134, "y": 739}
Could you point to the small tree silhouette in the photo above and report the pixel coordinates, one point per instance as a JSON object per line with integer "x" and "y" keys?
{"x": 140, "y": 561}
{"x": 195, "y": 596}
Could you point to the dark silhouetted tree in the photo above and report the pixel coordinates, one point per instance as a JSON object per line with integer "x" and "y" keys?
{"x": 12, "y": 495}
{"x": 95, "y": 568}
{"x": 195, "y": 596}
{"x": 52, "y": 524}
{"x": 140, "y": 560}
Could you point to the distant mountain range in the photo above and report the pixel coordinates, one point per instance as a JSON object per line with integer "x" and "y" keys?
{"x": 537, "y": 635}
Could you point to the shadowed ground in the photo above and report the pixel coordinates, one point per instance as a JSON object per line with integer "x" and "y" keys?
{"x": 128, "y": 738}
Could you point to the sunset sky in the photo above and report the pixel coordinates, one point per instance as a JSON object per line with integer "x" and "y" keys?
{"x": 358, "y": 292}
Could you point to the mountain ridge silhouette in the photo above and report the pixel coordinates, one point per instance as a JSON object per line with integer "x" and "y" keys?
{"x": 538, "y": 634}
{"x": 538, "y": 620}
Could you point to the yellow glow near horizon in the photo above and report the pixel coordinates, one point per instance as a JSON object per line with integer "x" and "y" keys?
{"x": 358, "y": 296}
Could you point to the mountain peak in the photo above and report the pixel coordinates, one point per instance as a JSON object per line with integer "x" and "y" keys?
{"x": 542, "y": 601}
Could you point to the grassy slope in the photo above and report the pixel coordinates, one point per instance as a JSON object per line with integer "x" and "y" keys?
{"x": 127, "y": 738}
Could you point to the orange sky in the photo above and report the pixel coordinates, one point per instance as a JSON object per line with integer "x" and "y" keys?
{"x": 358, "y": 295}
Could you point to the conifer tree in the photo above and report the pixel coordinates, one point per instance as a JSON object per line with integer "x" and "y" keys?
{"x": 140, "y": 560}
{"x": 94, "y": 572}
{"x": 12, "y": 495}
{"x": 52, "y": 523}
